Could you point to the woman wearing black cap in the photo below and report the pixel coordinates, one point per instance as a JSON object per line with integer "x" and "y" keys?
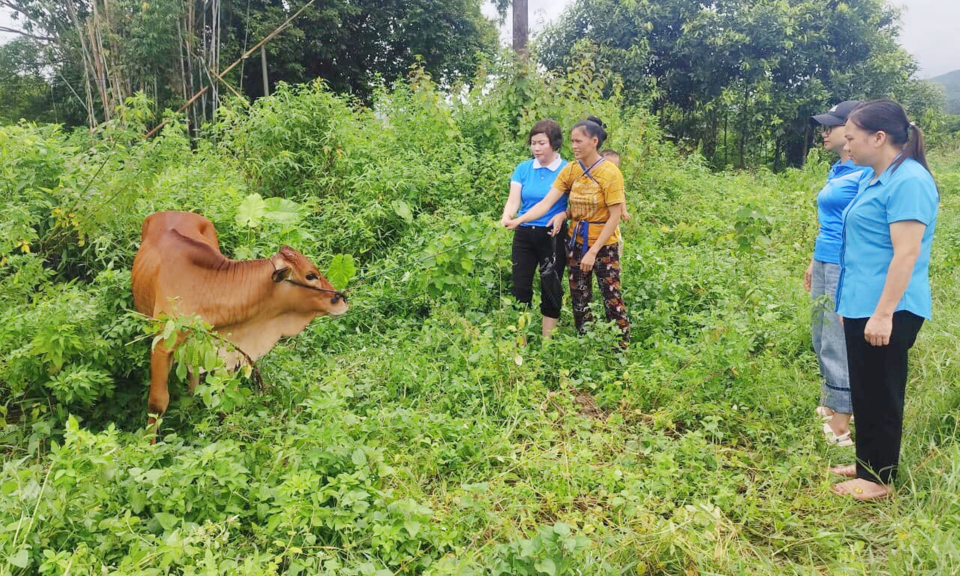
{"x": 822, "y": 275}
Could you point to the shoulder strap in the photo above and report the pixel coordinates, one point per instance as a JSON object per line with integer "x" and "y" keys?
{"x": 586, "y": 171}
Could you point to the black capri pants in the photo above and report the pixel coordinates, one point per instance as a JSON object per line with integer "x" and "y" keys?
{"x": 878, "y": 383}
{"x": 534, "y": 247}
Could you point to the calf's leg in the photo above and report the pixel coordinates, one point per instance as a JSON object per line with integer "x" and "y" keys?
{"x": 193, "y": 379}
{"x": 160, "y": 361}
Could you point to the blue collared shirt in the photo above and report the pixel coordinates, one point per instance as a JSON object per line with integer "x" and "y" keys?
{"x": 843, "y": 182}
{"x": 535, "y": 182}
{"x": 908, "y": 193}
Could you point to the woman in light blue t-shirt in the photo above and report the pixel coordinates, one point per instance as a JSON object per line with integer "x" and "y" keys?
{"x": 883, "y": 294}
{"x": 539, "y": 243}
{"x": 821, "y": 277}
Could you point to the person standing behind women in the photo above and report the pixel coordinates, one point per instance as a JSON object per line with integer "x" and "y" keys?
{"x": 595, "y": 196}
{"x": 883, "y": 294}
{"x": 535, "y": 244}
{"x": 821, "y": 277}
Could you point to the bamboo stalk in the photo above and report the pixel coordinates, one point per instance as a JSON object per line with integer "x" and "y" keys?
{"x": 87, "y": 64}
{"x": 227, "y": 70}
{"x": 183, "y": 66}
{"x": 191, "y": 16}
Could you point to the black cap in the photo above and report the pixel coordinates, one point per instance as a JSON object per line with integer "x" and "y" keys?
{"x": 836, "y": 116}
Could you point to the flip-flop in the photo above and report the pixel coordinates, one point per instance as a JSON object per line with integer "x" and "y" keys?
{"x": 843, "y": 440}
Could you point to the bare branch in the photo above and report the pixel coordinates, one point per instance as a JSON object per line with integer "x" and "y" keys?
{"x": 27, "y": 34}
{"x": 33, "y": 19}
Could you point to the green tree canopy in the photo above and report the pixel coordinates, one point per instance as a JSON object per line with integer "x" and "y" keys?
{"x": 740, "y": 78}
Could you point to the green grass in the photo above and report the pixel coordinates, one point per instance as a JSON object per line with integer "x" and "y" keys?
{"x": 413, "y": 436}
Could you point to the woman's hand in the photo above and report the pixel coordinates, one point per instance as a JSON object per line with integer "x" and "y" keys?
{"x": 878, "y": 330}
{"x": 557, "y": 223}
{"x": 504, "y": 220}
{"x": 588, "y": 260}
{"x": 513, "y": 223}
{"x": 808, "y": 278}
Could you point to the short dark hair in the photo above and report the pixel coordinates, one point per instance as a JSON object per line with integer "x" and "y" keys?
{"x": 551, "y": 130}
{"x": 609, "y": 152}
{"x": 594, "y": 127}
{"x": 889, "y": 117}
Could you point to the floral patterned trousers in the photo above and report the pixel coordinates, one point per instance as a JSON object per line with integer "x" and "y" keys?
{"x": 607, "y": 269}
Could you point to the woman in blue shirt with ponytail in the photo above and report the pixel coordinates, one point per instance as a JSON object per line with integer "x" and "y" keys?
{"x": 821, "y": 277}
{"x": 883, "y": 294}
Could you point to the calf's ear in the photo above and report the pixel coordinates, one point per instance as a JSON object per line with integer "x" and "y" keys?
{"x": 281, "y": 269}
{"x": 280, "y": 274}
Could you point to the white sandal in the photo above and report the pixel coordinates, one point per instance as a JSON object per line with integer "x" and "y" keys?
{"x": 842, "y": 440}
{"x": 822, "y": 414}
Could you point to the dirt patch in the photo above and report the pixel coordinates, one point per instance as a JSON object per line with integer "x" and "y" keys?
{"x": 588, "y": 406}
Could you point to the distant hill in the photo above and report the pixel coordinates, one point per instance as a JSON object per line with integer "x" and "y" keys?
{"x": 951, "y": 82}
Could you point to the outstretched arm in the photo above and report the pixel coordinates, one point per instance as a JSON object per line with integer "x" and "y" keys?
{"x": 513, "y": 203}
{"x": 538, "y": 210}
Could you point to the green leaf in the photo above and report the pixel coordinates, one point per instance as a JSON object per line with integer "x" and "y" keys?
{"x": 170, "y": 341}
{"x": 561, "y": 529}
{"x": 21, "y": 559}
{"x": 251, "y": 211}
{"x": 358, "y": 457}
{"x": 412, "y": 527}
{"x": 167, "y": 521}
{"x": 8, "y": 487}
{"x": 282, "y": 211}
{"x": 546, "y": 566}
{"x": 403, "y": 210}
{"x": 169, "y": 328}
{"x": 342, "y": 270}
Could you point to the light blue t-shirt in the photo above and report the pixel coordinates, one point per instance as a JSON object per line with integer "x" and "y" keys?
{"x": 908, "y": 193}
{"x": 535, "y": 183}
{"x": 843, "y": 182}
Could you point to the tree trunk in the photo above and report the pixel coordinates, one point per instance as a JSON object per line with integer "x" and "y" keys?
{"x": 263, "y": 62}
{"x": 520, "y": 31}
{"x": 798, "y": 143}
{"x": 744, "y": 124}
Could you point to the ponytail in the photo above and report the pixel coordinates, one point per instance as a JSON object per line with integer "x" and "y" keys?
{"x": 889, "y": 117}
{"x": 595, "y": 128}
{"x": 915, "y": 147}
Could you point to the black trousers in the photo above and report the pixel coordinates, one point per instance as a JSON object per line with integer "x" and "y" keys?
{"x": 534, "y": 247}
{"x": 878, "y": 383}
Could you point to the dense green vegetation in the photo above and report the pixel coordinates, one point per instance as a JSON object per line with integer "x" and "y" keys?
{"x": 95, "y": 53}
{"x": 735, "y": 80}
{"x": 413, "y": 435}
{"x": 739, "y": 79}
{"x": 951, "y": 86}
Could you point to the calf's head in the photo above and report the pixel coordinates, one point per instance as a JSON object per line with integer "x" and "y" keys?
{"x": 303, "y": 288}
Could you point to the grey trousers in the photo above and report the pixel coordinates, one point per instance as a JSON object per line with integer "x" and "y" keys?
{"x": 828, "y": 339}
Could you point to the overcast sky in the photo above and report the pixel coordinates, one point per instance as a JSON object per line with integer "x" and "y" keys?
{"x": 931, "y": 29}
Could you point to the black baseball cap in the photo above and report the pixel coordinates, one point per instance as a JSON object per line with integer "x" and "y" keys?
{"x": 836, "y": 116}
